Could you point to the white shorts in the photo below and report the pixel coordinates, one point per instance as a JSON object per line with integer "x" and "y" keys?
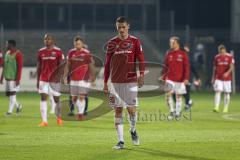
{"x": 79, "y": 87}
{"x": 53, "y": 89}
{"x": 222, "y": 86}
{"x": 177, "y": 87}
{"x": 123, "y": 95}
{"x": 11, "y": 86}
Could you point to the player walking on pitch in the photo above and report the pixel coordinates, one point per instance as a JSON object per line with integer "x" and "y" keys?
{"x": 222, "y": 77}
{"x": 12, "y": 72}
{"x": 49, "y": 59}
{"x": 81, "y": 71}
{"x": 120, "y": 66}
{"x": 175, "y": 73}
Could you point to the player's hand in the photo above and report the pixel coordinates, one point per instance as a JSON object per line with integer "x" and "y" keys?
{"x": 140, "y": 81}
{"x": 213, "y": 81}
{"x": 105, "y": 88}
{"x": 37, "y": 84}
{"x": 197, "y": 83}
{"x": 17, "y": 83}
{"x": 65, "y": 80}
{"x": 225, "y": 75}
{"x": 186, "y": 82}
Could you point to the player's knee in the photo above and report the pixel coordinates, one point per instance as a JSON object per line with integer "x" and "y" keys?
{"x": 118, "y": 120}
{"x": 131, "y": 110}
{"x": 118, "y": 112}
{"x": 74, "y": 99}
{"x": 43, "y": 97}
{"x": 82, "y": 97}
{"x": 178, "y": 98}
{"x": 56, "y": 99}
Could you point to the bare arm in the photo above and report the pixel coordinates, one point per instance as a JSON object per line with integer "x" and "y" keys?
{"x": 38, "y": 73}
{"x": 1, "y": 79}
{"x": 213, "y": 74}
{"x": 229, "y": 70}
{"x": 66, "y": 72}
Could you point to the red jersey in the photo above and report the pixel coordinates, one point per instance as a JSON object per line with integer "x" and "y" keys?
{"x": 1, "y": 58}
{"x": 49, "y": 60}
{"x": 78, "y": 64}
{"x": 121, "y": 59}
{"x": 222, "y": 62}
{"x": 177, "y": 66}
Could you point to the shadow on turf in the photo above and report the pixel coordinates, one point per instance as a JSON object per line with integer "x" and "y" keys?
{"x": 166, "y": 154}
{"x": 2, "y": 134}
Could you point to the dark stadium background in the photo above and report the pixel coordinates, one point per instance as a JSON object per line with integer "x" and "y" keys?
{"x": 203, "y": 22}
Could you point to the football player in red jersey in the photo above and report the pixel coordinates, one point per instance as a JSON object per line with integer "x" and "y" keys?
{"x": 222, "y": 77}
{"x": 49, "y": 59}
{"x": 122, "y": 52}
{"x": 81, "y": 71}
{"x": 176, "y": 73}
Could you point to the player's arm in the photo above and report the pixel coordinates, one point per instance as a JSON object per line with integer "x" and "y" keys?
{"x": 1, "y": 78}
{"x": 66, "y": 71}
{"x": 186, "y": 69}
{"x": 107, "y": 70}
{"x": 229, "y": 70}
{"x": 214, "y": 71}
{"x": 92, "y": 69}
{"x": 39, "y": 66}
{"x": 195, "y": 74}
{"x": 140, "y": 57}
{"x": 60, "y": 71}
{"x": 19, "y": 60}
{"x": 164, "y": 69}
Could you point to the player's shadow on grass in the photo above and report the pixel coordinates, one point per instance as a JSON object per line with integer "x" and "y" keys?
{"x": 159, "y": 153}
{"x": 2, "y": 134}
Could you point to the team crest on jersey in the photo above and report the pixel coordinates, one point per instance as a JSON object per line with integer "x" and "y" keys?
{"x": 180, "y": 58}
{"x": 53, "y": 54}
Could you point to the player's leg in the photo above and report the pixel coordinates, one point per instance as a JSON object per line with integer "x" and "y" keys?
{"x": 132, "y": 118}
{"x": 218, "y": 88}
{"x": 11, "y": 103}
{"x": 11, "y": 90}
{"x": 43, "y": 91}
{"x": 226, "y": 102}
{"x": 170, "y": 104}
{"x": 217, "y": 100}
{"x": 170, "y": 99}
{"x": 115, "y": 101}
{"x": 188, "y": 101}
{"x": 82, "y": 104}
{"x": 71, "y": 105}
{"x": 43, "y": 109}
{"x": 86, "y": 106}
{"x": 178, "y": 105}
{"x": 58, "y": 109}
{"x": 118, "y": 122}
{"x": 53, "y": 104}
{"x": 227, "y": 91}
{"x": 180, "y": 89}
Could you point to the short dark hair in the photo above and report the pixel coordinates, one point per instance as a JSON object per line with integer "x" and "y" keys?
{"x": 48, "y": 35}
{"x": 122, "y": 19}
{"x": 78, "y": 38}
{"x": 12, "y": 42}
{"x": 221, "y": 46}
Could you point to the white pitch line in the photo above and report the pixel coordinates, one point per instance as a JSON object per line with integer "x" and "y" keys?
{"x": 234, "y": 117}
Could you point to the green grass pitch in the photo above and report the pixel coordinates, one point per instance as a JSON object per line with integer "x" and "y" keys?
{"x": 207, "y": 136}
